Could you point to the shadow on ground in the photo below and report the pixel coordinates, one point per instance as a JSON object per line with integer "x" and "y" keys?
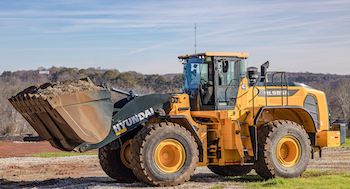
{"x": 84, "y": 182}
{"x": 101, "y": 182}
{"x": 212, "y": 177}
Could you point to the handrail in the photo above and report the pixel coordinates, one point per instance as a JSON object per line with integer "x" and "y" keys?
{"x": 283, "y": 77}
{"x": 239, "y": 126}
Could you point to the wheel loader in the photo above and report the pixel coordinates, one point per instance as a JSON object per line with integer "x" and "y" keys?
{"x": 227, "y": 118}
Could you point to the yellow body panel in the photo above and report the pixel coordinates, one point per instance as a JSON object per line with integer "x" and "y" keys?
{"x": 328, "y": 138}
{"x": 223, "y": 128}
{"x": 296, "y": 100}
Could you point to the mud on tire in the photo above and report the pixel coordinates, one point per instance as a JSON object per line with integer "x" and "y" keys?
{"x": 283, "y": 150}
{"x": 163, "y": 154}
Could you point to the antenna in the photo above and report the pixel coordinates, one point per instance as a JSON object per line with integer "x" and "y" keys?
{"x": 195, "y": 36}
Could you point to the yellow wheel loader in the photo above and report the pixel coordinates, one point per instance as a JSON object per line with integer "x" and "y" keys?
{"x": 227, "y": 118}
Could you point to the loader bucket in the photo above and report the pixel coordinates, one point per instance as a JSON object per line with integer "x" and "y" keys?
{"x": 67, "y": 120}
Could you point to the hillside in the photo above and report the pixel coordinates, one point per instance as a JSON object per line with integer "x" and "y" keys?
{"x": 12, "y": 123}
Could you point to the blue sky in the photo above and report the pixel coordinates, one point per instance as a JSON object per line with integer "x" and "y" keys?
{"x": 147, "y": 36}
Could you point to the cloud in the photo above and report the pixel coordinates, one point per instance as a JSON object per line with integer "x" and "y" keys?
{"x": 98, "y": 27}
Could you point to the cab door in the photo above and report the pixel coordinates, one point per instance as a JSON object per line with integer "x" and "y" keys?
{"x": 226, "y": 82}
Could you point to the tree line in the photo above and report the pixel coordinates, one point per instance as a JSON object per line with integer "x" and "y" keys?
{"x": 13, "y": 124}
{"x": 336, "y": 87}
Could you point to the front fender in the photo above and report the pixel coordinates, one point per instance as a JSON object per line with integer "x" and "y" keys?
{"x": 185, "y": 122}
{"x": 132, "y": 115}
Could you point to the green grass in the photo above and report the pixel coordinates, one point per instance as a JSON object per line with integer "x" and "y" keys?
{"x": 327, "y": 181}
{"x": 317, "y": 173}
{"x": 217, "y": 187}
{"x": 310, "y": 179}
{"x": 346, "y": 144}
{"x": 245, "y": 179}
{"x": 59, "y": 154}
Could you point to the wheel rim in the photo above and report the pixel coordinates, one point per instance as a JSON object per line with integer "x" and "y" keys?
{"x": 288, "y": 151}
{"x": 169, "y": 156}
{"x": 124, "y": 153}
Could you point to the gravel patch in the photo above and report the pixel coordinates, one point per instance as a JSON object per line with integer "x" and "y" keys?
{"x": 85, "y": 172}
{"x": 82, "y": 172}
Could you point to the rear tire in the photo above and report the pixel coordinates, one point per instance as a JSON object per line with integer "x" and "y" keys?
{"x": 163, "y": 154}
{"x": 230, "y": 170}
{"x": 283, "y": 150}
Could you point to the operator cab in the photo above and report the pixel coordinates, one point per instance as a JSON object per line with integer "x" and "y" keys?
{"x": 212, "y": 79}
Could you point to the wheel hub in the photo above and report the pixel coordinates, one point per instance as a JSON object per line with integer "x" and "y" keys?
{"x": 124, "y": 153}
{"x": 169, "y": 155}
{"x": 288, "y": 151}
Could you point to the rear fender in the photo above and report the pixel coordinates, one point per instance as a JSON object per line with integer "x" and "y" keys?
{"x": 297, "y": 114}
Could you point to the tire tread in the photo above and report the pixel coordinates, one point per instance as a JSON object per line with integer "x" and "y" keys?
{"x": 263, "y": 165}
{"x": 110, "y": 168}
{"x": 136, "y": 151}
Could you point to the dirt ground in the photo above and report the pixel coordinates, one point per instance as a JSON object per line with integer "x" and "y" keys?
{"x": 21, "y": 149}
{"x": 17, "y": 171}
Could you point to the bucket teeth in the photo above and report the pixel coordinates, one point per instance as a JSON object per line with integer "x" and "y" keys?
{"x": 66, "y": 120}
{"x": 18, "y": 98}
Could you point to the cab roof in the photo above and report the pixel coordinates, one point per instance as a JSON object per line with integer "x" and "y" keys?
{"x": 240, "y": 55}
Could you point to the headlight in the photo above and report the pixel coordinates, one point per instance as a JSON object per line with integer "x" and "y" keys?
{"x": 174, "y": 100}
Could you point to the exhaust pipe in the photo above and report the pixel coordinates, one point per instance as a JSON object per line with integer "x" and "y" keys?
{"x": 263, "y": 69}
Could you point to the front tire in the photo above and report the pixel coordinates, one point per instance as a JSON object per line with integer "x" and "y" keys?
{"x": 163, "y": 154}
{"x": 283, "y": 150}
